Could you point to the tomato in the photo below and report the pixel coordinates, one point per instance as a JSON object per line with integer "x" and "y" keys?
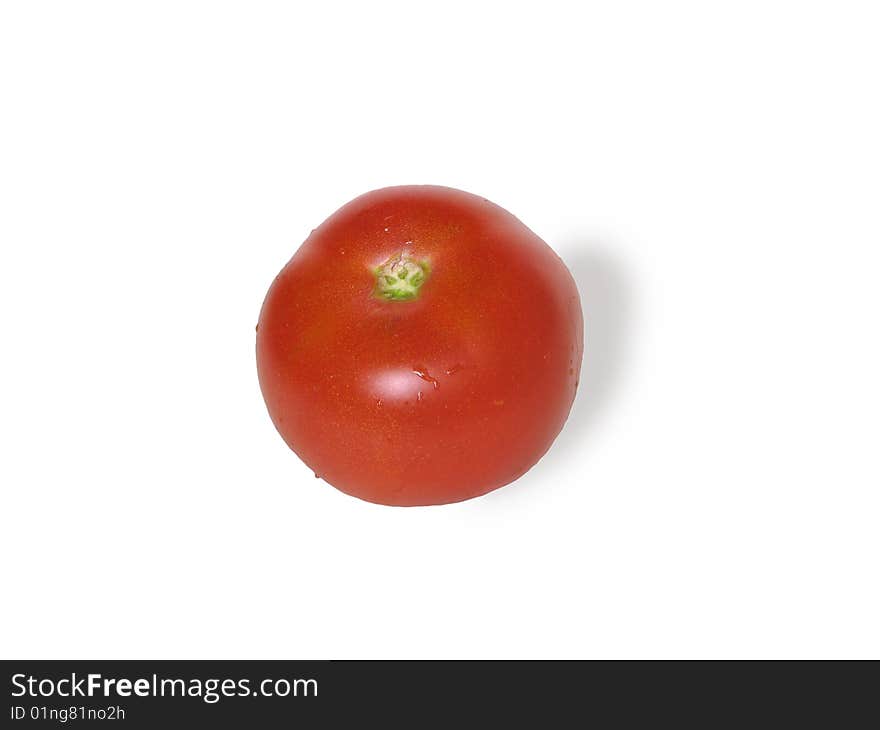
{"x": 421, "y": 347}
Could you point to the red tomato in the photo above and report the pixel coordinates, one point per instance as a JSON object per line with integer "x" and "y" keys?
{"x": 421, "y": 347}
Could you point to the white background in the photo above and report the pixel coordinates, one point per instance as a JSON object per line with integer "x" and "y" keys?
{"x": 710, "y": 172}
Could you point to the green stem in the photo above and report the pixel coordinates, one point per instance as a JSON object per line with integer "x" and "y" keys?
{"x": 400, "y": 278}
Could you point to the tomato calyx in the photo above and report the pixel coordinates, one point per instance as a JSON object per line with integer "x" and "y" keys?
{"x": 400, "y": 278}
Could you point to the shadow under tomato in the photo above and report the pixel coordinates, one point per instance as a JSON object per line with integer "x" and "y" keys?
{"x": 606, "y": 300}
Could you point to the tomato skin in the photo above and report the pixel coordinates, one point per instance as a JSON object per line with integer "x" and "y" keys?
{"x": 434, "y": 399}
